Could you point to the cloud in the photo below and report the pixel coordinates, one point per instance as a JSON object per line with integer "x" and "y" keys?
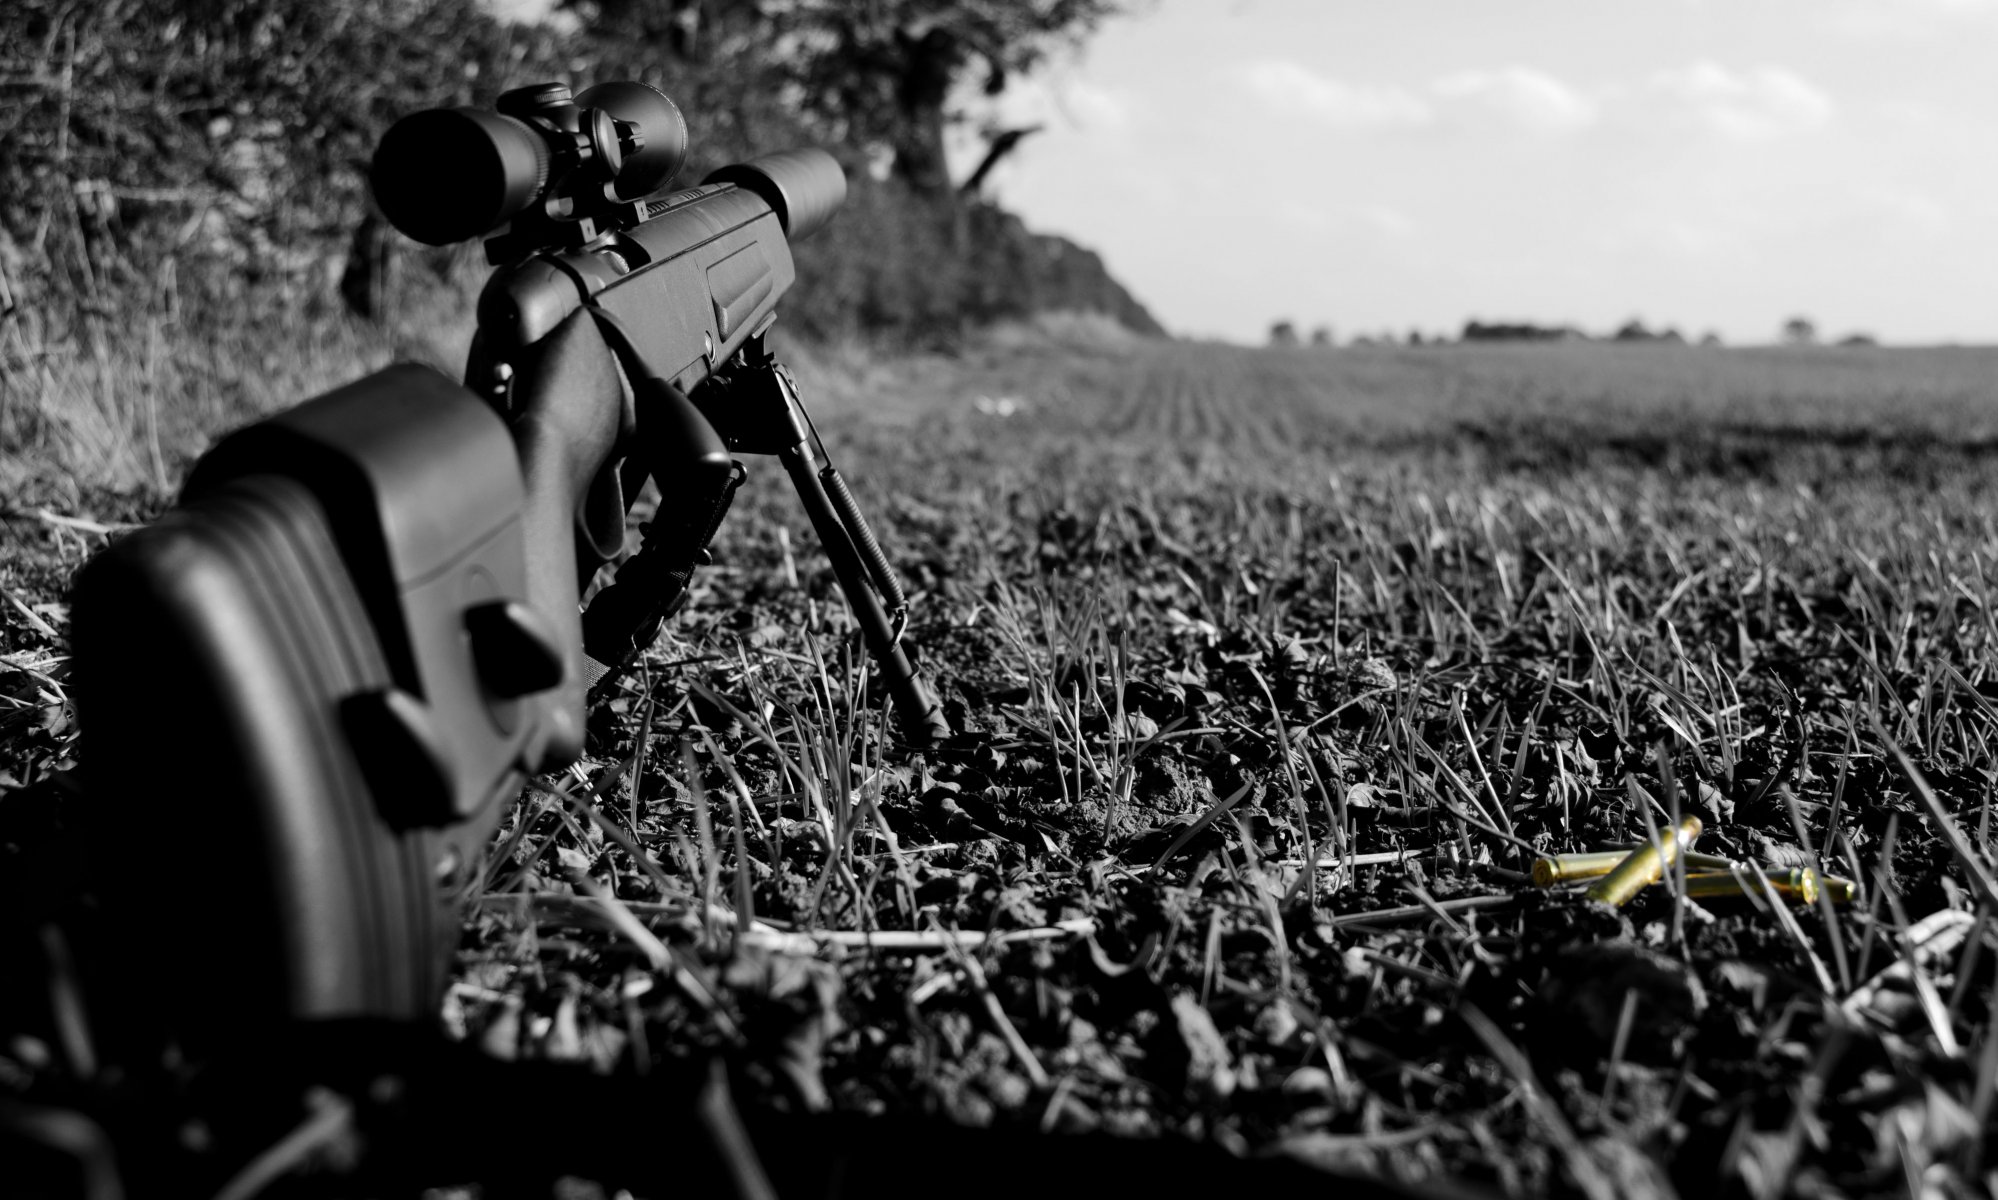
{"x": 1513, "y": 98}
{"x": 1904, "y": 214}
{"x": 1093, "y": 107}
{"x": 1916, "y": 19}
{"x": 1293, "y": 89}
{"x": 1383, "y": 219}
{"x": 1517, "y": 96}
{"x": 1746, "y": 105}
{"x": 1752, "y": 105}
{"x": 1373, "y": 221}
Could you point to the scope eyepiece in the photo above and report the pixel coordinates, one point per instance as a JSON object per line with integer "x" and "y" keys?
{"x": 447, "y": 175}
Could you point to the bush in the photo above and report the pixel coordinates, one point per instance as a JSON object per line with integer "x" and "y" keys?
{"x": 209, "y": 158}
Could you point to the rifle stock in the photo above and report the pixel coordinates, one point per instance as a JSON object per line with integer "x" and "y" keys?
{"x": 333, "y": 665}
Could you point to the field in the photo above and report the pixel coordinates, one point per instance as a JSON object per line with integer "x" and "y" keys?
{"x": 1274, "y": 671}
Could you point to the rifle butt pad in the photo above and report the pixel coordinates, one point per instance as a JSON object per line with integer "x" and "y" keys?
{"x": 291, "y": 698}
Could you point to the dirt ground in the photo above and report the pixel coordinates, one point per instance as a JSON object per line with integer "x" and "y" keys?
{"x": 1272, "y": 674}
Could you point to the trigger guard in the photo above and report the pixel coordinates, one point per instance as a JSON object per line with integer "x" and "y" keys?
{"x": 600, "y": 520}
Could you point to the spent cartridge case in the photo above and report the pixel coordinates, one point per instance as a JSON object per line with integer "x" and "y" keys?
{"x": 1694, "y": 859}
{"x": 1594, "y": 864}
{"x": 1706, "y": 863}
{"x": 1799, "y": 884}
{"x": 1568, "y": 868}
{"x": 1645, "y": 865}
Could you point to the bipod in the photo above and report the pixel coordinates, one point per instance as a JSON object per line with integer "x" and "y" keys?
{"x": 756, "y": 408}
{"x": 750, "y": 407}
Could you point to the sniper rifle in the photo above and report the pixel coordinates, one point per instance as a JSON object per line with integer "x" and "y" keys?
{"x": 313, "y": 688}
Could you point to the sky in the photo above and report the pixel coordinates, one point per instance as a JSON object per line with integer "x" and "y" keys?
{"x": 1388, "y": 165}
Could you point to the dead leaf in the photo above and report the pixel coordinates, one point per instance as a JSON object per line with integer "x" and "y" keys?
{"x": 1210, "y": 1069}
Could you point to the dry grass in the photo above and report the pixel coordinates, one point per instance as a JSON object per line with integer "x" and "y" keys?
{"x": 1274, "y": 670}
{"x": 124, "y": 400}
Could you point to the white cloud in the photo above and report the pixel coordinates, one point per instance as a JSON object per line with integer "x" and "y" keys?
{"x": 1384, "y": 219}
{"x": 1752, "y": 105}
{"x": 1092, "y": 107}
{"x": 1293, "y": 89}
{"x": 1509, "y": 98}
{"x": 1747, "y": 105}
{"x": 1916, "y": 19}
{"x": 1904, "y": 213}
{"x": 1518, "y": 96}
{"x": 1309, "y": 214}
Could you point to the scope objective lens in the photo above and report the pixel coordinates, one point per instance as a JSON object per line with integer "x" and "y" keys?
{"x": 449, "y": 174}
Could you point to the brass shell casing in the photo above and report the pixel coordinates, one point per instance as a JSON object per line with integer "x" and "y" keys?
{"x": 1569, "y": 868}
{"x": 1696, "y": 861}
{"x": 1715, "y": 874}
{"x": 1799, "y": 884}
{"x": 1645, "y": 865}
{"x": 1575, "y": 868}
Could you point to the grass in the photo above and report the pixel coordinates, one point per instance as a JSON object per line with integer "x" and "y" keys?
{"x": 1274, "y": 670}
{"x": 122, "y": 400}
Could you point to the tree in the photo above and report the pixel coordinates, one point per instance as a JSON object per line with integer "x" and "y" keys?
{"x": 1283, "y": 333}
{"x": 998, "y": 144}
{"x": 887, "y": 69}
{"x": 877, "y": 84}
{"x": 1322, "y": 337}
{"x": 1800, "y": 331}
{"x": 872, "y": 76}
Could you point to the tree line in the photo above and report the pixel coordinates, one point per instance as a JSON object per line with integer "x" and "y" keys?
{"x": 219, "y": 147}
{"x": 1796, "y": 331}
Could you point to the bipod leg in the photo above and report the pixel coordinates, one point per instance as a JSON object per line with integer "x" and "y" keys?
{"x": 922, "y": 716}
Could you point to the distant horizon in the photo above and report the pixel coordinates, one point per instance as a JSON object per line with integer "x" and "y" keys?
{"x": 1697, "y": 164}
{"x": 1660, "y": 335}
{"x": 1588, "y": 339}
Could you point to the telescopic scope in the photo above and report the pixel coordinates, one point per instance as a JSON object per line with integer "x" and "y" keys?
{"x": 449, "y": 174}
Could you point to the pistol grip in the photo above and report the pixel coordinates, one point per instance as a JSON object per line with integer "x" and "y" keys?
{"x": 571, "y": 414}
{"x": 697, "y": 479}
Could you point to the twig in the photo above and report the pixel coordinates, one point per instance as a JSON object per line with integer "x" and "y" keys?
{"x": 664, "y": 959}
{"x": 779, "y": 937}
{"x": 975, "y": 975}
{"x": 1927, "y": 939}
{"x": 331, "y": 1119}
{"x": 910, "y": 941}
{"x": 1374, "y": 859}
{"x": 40, "y": 626}
{"x": 81, "y": 524}
{"x": 1414, "y": 911}
{"x": 553, "y": 906}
